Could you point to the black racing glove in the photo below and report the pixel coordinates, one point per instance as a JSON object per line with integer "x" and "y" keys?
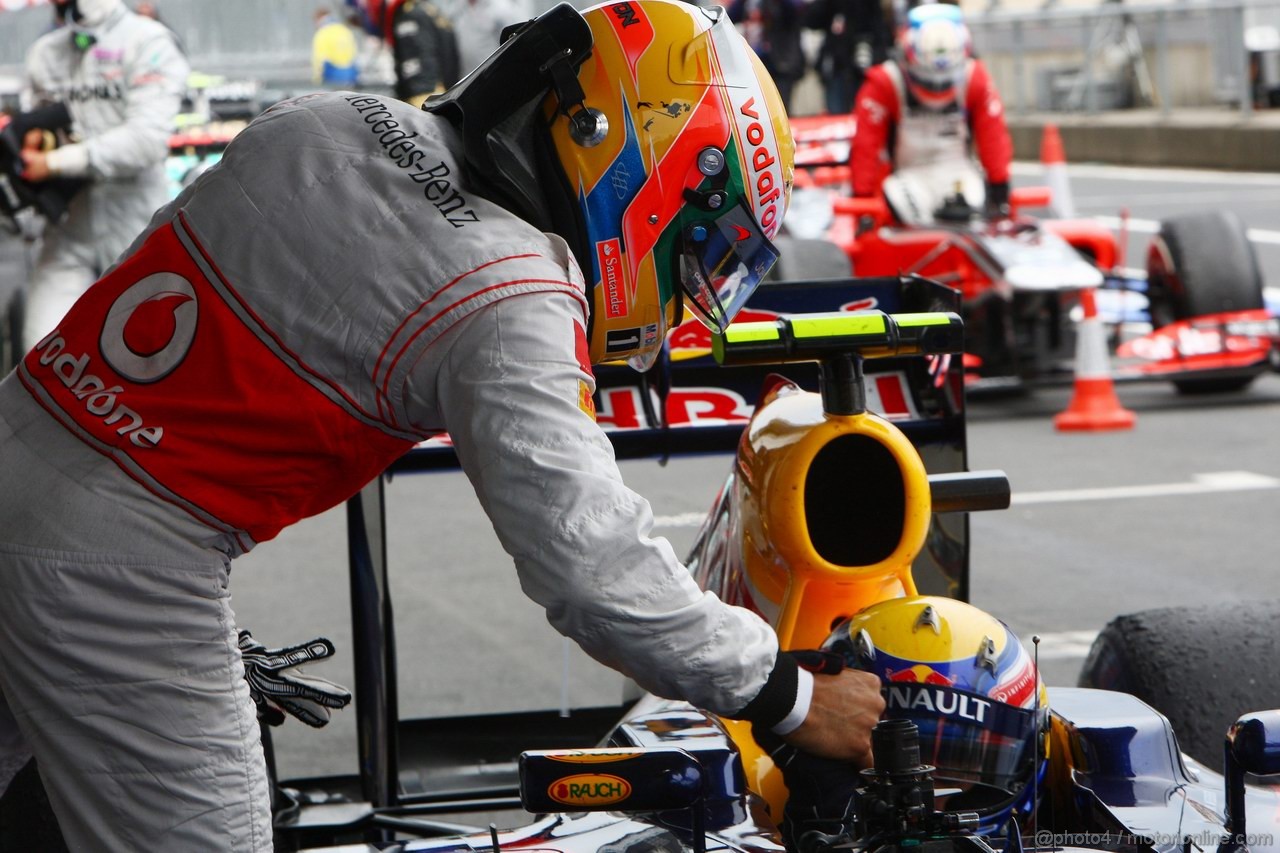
{"x": 50, "y": 197}
{"x": 996, "y": 205}
{"x": 820, "y": 789}
{"x": 275, "y": 692}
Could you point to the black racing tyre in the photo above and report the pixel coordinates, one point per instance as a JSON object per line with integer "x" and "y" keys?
{"x": 1202, "y": 667}
{"x": 1202, "y": 263}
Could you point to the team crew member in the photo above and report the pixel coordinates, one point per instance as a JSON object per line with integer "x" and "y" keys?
{"x": 929, "y": 106}
{"x": 254, "y": 360}
{"x": 422, "y": 43}
{"x": 122, "y": 77}
{"x": 333, "y": 52}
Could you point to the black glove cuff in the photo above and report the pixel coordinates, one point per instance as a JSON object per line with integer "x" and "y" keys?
{"x": 778, "y": 696}
{"x": 998, "y": 194}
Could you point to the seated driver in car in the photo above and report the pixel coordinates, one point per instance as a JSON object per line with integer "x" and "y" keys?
{"x": 967, "y": 683}
{"x": 927, "y": 112}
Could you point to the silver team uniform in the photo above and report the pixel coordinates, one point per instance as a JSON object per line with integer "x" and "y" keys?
{"x": 280, "y": 333}
{"x": 123, "y": 92}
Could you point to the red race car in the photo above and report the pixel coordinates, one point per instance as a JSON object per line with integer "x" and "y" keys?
{"x": 1196, "y": 315}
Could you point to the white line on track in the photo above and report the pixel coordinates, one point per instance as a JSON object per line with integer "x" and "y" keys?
{"x": 1252, "y": 180}
{"x": 1151, "y": 226}
{"x": 684, "y": 519}
{"x": 1074, "y": 645}
{"x": 1062, "y": 645}
{"x": 1200, "y": 484}
{"x": 1263, "y": 197}
{"x": 1221, "y": 481}
{"x": 1155, "y": 174}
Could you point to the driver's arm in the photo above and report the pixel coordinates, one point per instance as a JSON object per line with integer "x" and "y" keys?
{"x": 990, "y": 133}
{"x": 876, "y": 113}
{"x": 513, "y": 390}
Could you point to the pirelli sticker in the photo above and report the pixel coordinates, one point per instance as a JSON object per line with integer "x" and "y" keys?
{"x": 590, "y": 789}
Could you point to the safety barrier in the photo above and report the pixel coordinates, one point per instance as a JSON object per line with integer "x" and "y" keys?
{"x": 1170, "y": 54}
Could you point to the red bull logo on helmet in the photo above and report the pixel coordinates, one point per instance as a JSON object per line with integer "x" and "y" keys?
{"x": 589, "y": 789}
{"x": 920, "y": 674}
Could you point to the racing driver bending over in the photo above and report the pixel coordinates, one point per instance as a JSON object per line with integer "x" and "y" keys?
{"x": 253, "y": 360}
{"x": 923, "y": 109}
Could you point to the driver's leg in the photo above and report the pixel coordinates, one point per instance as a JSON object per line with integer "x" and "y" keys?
{"x": 124, "y": 676}
{"x": 14, "y": 751}
{"x": 59, "y": 279}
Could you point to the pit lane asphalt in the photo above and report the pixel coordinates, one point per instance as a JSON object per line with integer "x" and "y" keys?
{"x": 468, "y": 642}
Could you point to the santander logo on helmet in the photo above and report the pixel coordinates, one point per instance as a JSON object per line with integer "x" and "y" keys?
{"x": 150, "y": 327}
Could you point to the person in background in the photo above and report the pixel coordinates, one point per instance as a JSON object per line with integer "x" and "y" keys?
{"x": 933, "y": 106}
{"x": 422, "y": 43}
{"x": 121, "y": 77}
{"x": 333, "y": 52}
{"x": 857, "y": 35}
{"x": 772, "y": 28}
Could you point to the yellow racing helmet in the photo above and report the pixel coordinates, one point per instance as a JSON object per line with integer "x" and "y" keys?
{"x": 680, "y": 158}
{"x": 971, "y": 688}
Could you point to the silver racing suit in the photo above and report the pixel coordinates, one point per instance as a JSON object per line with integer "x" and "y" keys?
{"x": 123, "y": 91}
{"x": 332, "y": 292}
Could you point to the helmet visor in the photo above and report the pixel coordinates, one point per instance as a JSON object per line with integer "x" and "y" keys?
{"x": 975, "y": 742}
{"x": 722, "y": 261}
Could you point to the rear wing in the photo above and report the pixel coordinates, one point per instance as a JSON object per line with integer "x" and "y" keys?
{"x": 689, "y": 404}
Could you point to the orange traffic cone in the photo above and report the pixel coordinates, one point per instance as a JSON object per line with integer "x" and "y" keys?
{"x": 1094, "y": 405}
{"x": 1054, "y": 161}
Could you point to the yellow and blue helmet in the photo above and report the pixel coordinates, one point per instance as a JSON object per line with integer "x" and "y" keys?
{"x": 966, "y": 681}
{"x": 680, "y": 158}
